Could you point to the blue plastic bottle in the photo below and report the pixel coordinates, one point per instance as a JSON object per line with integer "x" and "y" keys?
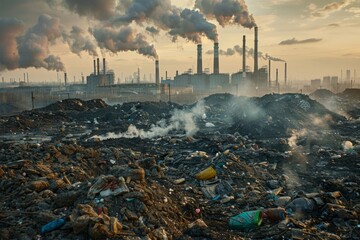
{"x": 51, "y": 226}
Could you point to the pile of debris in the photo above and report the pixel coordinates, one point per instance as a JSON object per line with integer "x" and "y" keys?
{"x": 216, "y": 183}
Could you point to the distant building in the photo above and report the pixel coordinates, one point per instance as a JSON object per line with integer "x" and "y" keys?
{"x": 326, "y": 82}
{"x": 94, "y": 81}
{"x": 315, "y": 84}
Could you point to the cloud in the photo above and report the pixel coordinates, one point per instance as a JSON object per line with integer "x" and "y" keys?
{"x": 325, "y": 11}
{"x": 354, "y": 10}
{"x": 294, "y": 41}
{"x": 152, "y": 30}
{"x": 334, "y": 25}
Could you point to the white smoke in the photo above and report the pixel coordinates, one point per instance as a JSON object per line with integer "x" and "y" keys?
{"x": 292, "y": 141}
{"x": 181, "y": 120}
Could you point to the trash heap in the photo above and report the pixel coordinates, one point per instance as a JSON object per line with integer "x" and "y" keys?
{"x": 214, "y": 184}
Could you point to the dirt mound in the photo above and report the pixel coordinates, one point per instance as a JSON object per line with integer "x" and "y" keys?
{"x": 322, "y": 94}
{"x": 75, "y": 105}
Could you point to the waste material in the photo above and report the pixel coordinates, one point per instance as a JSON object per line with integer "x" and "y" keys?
{"x": 281, "y": 157}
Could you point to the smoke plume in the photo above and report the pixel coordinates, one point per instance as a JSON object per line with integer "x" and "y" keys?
{"x": 153, "y": 30}
{"x": 98, "y": 9}
{"x": 34, "y": 45}
{"x": 185, "y": 23}
{"x": 249, "y": 52}
{"x": 124, "y": 39}
{"x": 227, "y": 12}
{"x": 79, "y": 41}
{"x": 181, "y": 120}
{"x": 295, "y": 41}
{"x": 10, "y": 30}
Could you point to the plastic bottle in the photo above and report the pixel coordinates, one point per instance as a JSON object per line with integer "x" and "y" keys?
{"x": 246, "y": 220}
{"x": 51, "y": 226}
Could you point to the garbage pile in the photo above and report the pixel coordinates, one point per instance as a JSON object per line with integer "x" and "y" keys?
{"x": 215, "y": 183}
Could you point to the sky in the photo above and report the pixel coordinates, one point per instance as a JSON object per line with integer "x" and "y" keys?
{"x": 47, "y": 37}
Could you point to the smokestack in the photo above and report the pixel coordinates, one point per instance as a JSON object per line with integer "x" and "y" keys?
{"x": 277, "y": 80}
{"x": 177, "y": 73}
{"x": 256, "y": 53}
{"x": 94, "y": 67}
{"x": 244, "y": 54}
{"x": 269, "y": 73}
{"x": 199, "y": 59}
{"x": 98, "y": 66}
{"x": 24, "y": 77}
{"x": 65, "y": 78}
{"x": 216, "y": 58}
{"x": 104, "y": 67}
{"x": 285, "y": 73}
{"x": 27, "y": 77}
{"x": 157, "y": 72}
{"x": 138, "y": 76}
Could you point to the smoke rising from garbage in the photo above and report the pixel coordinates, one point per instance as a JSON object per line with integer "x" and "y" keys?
{"x": 181, "y": 120}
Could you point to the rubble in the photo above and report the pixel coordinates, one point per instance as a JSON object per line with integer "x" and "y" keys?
{"x": 282, "y": 165}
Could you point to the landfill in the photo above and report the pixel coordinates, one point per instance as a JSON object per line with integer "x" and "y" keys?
{"x": 281, "y": 166}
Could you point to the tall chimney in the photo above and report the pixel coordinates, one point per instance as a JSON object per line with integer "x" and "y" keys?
{"x": 256, "y": 53}
{"x": 216, "y": 58}
{"x": 244, "y": 54}
{"x": 98, "y": 66}
{"x": 104, "y": 66}
{"x": 285, "y": 73}
{"x": 277, "y": 76}
{"x": 157, "y": 72}
{"x": 27, "y": 77}
{"x": 138, "y": 76}
{"x": 65, "y": 78}
{"x": 94, "y": 67}
{"x": 199, "y": 59}
{"x": 269, "y": 73}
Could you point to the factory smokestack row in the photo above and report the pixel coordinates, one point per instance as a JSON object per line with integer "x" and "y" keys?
{"x": 157, "y": 72}
{"x": 256, "y": 53}
{"x": 199, "y": 59}
{"x": 244, "y": 54}
{"x": 216, "y": 58}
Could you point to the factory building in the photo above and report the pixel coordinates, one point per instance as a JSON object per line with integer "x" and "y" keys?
{"x": 100, "y": 78}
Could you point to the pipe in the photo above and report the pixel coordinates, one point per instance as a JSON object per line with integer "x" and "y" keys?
{"x": 98, "y": 66}
{"x": 199, "y": 59}
{"x": 216, "y": 58}
{"x": 244, "y": 54}
{"x": 157, "y": 72}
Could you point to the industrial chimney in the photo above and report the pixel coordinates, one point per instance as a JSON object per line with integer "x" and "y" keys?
{"x": 256, "y": 53}
{"x": 94, "y": 67}
{"x": 244, "y": 54}
{"x": 269, "y": 73}
{"x": 104, "y": 66}
{"x": 285, "y": 73}
{"x": 65, "y": 78}
{"x": 98, "y": 66}
{"x": 157, "y": 72}
{"x": 199, "y": 59}
{"x": 216, "y": 58}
